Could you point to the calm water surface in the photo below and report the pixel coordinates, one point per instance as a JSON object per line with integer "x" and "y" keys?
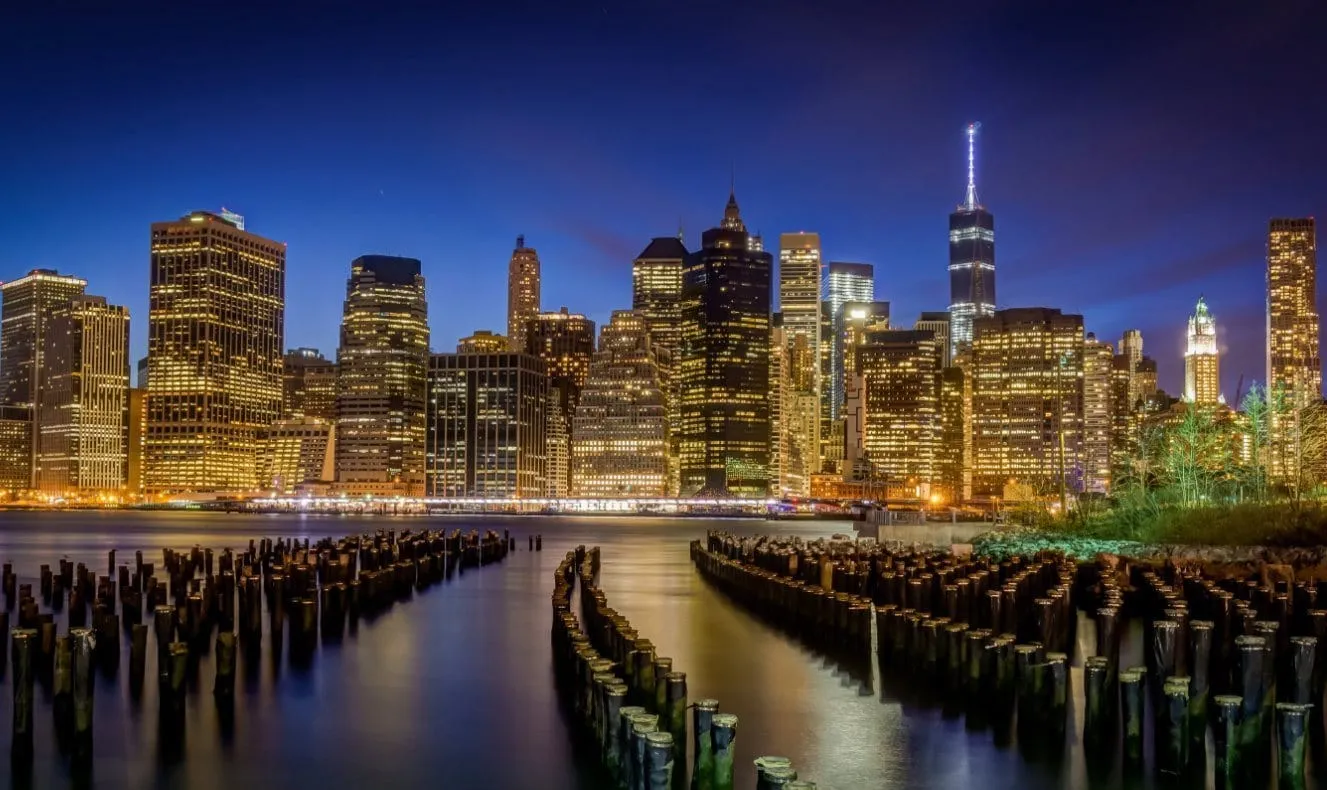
{"x": 454, "y": 688}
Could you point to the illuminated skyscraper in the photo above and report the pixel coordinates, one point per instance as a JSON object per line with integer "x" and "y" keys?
{"x": 522, "y": 292}
{"x": 216, "y": 332}
{"x": 381, "y": 370}
{"x": 565, "y": 342}
{"x": 843, "y": 283}
{"x": 84, "y": 413}
{"x": 937, "y": 323}
{"x": 903, "y": 420}
{"x": 859, "y": 320}
{"x": 1098, "y": 423}
{"x": 1294, "y": 364}
{"x": 1202, "y": 377}
{"x": 794, "y": 414}
{"x": 799, "y": 304}
{"x": 486, "y": 426}
{"x": 620, "y": 431}
{"x": 309, "y": 385}
{"x": 725, "y": 366}
{"x": 1131, "y": 348}
{"x": 1293, "y": 360}
{"x": 483, "y": 342}
{"x": 137, "y": 429}
{"x": 656, "y": 289}
{"x": 1027, "y": 399}
{"x": 16, "y": 456}
{"x": 953, "y": 468}
{"x": 295, "y": 452}
{"x": 971, "y": 259}
{"x": 26, "y": 310}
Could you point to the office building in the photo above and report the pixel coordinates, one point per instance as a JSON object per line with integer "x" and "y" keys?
{"x": 1027, "y": 398}
{"x": 857, "y": 322}
{"x": 381, "y": 370}
{"x": 903, "y": 420}
{"x": 794, "y": 413}
{"x": 1294, "y": 363}
{"x": 843, "y": 283}
{"x": 1131, "y": 348}
{"x": 799, "y": 304}
{"x": 483, "y": 342}
{"x": 16, "y": 456}
{"x": 620, "y": 434}
{"x": 971, "y": 259}
{"x": 522, "y": 292}
{"x": 83, "y": 442}
{"x": 937, "y": 323}
{"x": 1202, "y": 358}
{"x": 1098, "y": 422}
{"x": 26, "y": 305}
{"x": 565, "y": 342}
{"x": 724, "y": 373}
{"x": 656, "y": 289}
{"x": 296, "y": 452}
{"x": 137, "y": 430}
{"x": 216, "y": 332}
{"x": 953, "y": 468}
{"x": 487, "y": 416}
{"x": 309, "y": 385}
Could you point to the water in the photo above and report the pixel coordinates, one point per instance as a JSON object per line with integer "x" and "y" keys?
{"x": 454, "y": 688}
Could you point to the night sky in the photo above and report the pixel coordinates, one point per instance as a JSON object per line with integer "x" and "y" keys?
{"x": 1132, "y": 157}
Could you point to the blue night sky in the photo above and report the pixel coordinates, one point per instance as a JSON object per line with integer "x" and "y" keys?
{"x": 1131, "y": 157}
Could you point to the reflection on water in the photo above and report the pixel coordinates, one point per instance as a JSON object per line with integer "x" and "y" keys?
{"x": 454, "y": 687}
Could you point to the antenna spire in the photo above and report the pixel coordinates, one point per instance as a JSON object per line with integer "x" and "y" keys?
{"x": 970, "y": 200}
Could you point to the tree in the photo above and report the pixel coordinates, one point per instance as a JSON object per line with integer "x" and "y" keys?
{"x": 1256, "y": 428}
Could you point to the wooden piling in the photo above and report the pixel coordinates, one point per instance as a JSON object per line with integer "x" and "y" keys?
{"x": 137, "y": 657}
{"x": 1173, "y": 746}
{"x": 702, "y": 730}
{"x": 1226, "y": 739}
{"x": 21, "y": 744}
{"x": 1132, "y": 698}
{"x": 224, "y": 685}
{"x": 724, "y": 732}
{"x": 659, "y": 761}
{"x": 83, "y": 643}
{"x": 1291, "y": 719}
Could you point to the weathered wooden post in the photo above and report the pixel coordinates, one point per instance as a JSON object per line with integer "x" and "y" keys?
{"x": 676, "y": 705}
{"x": 83, "y": 644}
{"x": 224, "y": 686}
{"x": 1200, "y": 664}
{"x": 1173, "y": 754}
{"x": 21, "y": 749}
{"x": 1132, "y": 695}
{"x": 724, "y": 731}
{"x": 627, "y": 715}
{"x": 1298, "y": 686}
{"x": 137, "y": 657}
{"x": 1250, "y": 653}
{"x": 662, "y": 666}
{"x": 615, "y": 694}
{"x": 1290, "y": 720}
{"x": 642, "y": 724}
{"x": 659, "y": 761}
{"x": 1097, "y": 716}
{"x": 1226, "y": 739}
{"x": 702, "y": 726}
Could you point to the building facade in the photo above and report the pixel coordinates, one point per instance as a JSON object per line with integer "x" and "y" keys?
{"x": 1098, "y": 419}
{"x": 799, "y": 305}
{"x": 953, "y": 468}
{"x": 1202, "y": 358}
{"x": 83, "y": 444}
{"x": 523, "y": 282}
{"x": 26, "y": 306}
{"x": 937, "y": 323}
{"x": 971, "y": 260}
{"x": 1294, "y": 363}
{"x": 620, "y": 434}
{"x": 724, "y": 372}
{"x": 216, "y": 332}
{"x": 483, "y": 342}
{"x": 295, "y": 452}
{"x": 382, "y": 366}
{"x": 16, "y": 454}
{"x": 1027, "y": 397}
{"x": 842, "y": 283}
{"x": 308, "y": 385}
{"x": 656, "y": 289}
{"x": 903, "y": 418}
{"x": 487, "y": 415}
{"x": 137, "y": 429}
{"x": 565, "y": 342}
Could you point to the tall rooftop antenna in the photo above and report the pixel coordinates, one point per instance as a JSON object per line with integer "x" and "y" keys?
{"x": 970, "y": 200}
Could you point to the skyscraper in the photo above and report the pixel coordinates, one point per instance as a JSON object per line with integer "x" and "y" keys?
{"x": 1098, "y": 422}
{"x": 799, "y": 304}
{"x": 309, "y": 385}
{"x": 953, "y": 468}
{"x": 1202, "y": 376}
{"x": 16, "y": 456}
{"x": 903, "y": 420}
{"x": 1027, "y": 398}
{"x": 1293, "y": 361}
{"x": 522, "y": 292}
{"x": 26, "y": 308}
{"x": 620, "y": 431}
{"x": 656, "y": 289}
{"x": 971, "y": 259}
{"x": 843, "y": 283}
{"x": 565, "y": 342}
{"x": 382, "y": 365}
{"x": 297, "y": 451}
{"x": 1294, "y": 364}
{"x": 725, "y": 366}
{"x": 937, "y": 322}
{"x": 486, "y": 423}
{"x": 216, "y": 332}
{"x": 84, "y": 413}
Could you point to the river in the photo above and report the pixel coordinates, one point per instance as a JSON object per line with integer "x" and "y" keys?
{"x": 454, "y": 688}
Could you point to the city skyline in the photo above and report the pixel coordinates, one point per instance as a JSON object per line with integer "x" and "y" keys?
{"x": 1056, "y": 173}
